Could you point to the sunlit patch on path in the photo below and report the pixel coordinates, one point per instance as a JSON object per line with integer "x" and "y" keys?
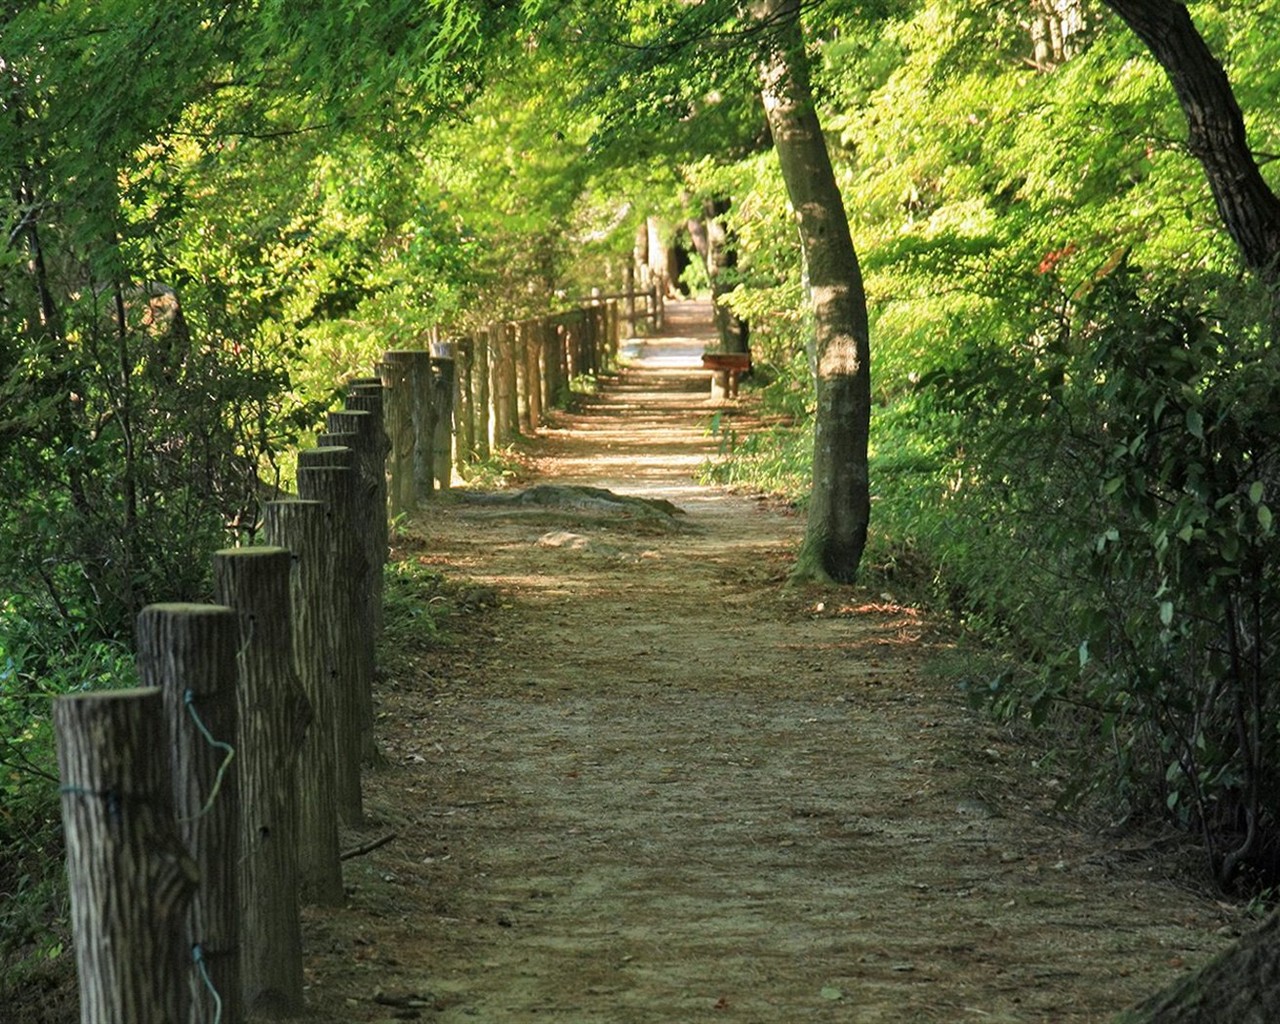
{"x": 652, "y": 785}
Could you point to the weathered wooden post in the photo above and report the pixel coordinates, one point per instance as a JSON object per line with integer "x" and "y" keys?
{"x": 503, "y": 392}
{"x": 630, "y": 286}
{"x": 613, "y": 336}
{"x": 526, "y": 378}
{"x": 499, "y": 427}
{"x": 398, "y": 399}
{"x": 323, "y": 477}
{"x": 274, "y": 714}
{"x": 422, "y": 387}
{"x": 510, "y": 381}
{"x": 463, "y": 413}
{"x": 189, "y": 652}
{"x": 130, "y": 877}
{"x": 537, "y": 407}
{"x": 370, "y": 457}
{"x": 546, "y": 361}
{"x": 592, "y": 318}
{"x": 305, "y": 528}
{"x": 366, "y": 574}
{"x": 563, "y": 354}
{"x": 442, "y": 383}
{"x": 365, "y": 396}
{"x": 480, "y": 396}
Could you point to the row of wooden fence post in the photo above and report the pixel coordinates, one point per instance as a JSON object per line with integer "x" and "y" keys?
{"x": 509, "y": 376}
{"x": 203, "y": 807}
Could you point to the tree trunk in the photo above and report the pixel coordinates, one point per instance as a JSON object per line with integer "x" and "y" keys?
{"x": 714, "y": 244}
{"x": 1215, "y": 128}
{"x": 1240, "y": 986}
{"x": 839, "y": 505}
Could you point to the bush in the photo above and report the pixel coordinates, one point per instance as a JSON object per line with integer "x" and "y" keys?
{"x": 1115, "y": 495}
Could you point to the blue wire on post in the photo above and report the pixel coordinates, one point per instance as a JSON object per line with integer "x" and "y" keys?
{"x": 189, "y": 699}
{"x": 197, "y": 954}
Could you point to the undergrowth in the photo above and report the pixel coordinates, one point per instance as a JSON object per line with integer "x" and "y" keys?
{"x": 1092, "y": 502}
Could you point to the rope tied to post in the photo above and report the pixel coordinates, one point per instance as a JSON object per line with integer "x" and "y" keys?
{"x": 189, "y": 699}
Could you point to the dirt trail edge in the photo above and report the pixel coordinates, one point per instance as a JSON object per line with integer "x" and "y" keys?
{"x": 653, "y": 786}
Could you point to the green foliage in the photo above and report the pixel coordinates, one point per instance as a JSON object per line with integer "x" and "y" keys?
{"x": 1075, "y": 457}
{"x": 37, "y": 665}
{"x": 1124, "y": 465}
{"x": 777, "y": 461}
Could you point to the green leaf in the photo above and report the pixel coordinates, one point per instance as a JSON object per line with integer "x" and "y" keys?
{"x": 1166, "y": 613}
{"x": 831, "y": 992}
{"x": 1264, "y": 517}
{"x": 1256, "y": 491}
{"x": 1195, "y": 423}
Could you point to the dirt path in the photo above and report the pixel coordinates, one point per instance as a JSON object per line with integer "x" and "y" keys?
{"x": 652, "y": 786}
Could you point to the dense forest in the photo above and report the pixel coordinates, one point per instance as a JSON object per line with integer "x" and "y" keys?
{"x": 1044, "y": 394}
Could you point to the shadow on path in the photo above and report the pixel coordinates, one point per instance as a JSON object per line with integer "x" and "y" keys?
{"x": 651, "y": 787}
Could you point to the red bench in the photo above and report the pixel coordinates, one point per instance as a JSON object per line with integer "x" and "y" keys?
{"x": 726, "y": 368}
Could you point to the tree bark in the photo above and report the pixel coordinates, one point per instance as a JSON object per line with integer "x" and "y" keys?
{"x": 839, "y": 504}
{"x": 129, "y": 876}
{"x": 714, "y": 244}
{"x": 273, "y": 719}
{"x": 307, "y": 529}
{"x": 398, "y": 397}
{"x": 189, "y": 652}
{"x": 442, "y": 418}
{"x": 1215, "y": 128}
{"x": 1240, "y": 986}
{"x": 335, "y": 484}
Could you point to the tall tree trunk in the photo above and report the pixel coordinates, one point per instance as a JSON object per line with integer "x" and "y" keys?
{"x": 1239, "y": 986}
{"x": 839, "y": 506}
{"x": 715, "y": 245}
{"x": 1215, "y": 128}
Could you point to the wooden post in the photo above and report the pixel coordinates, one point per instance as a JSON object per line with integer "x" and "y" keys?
{"x": 306, "y": 528}
{"x": 422, "y": 386}
{"x": 614, "y": 338}
{"x": 442, "y": 382}
{"x": 398, "y": 398}
{"x": 568, "y": 357}
{"x": 189, "y": 652}
{"x": 503, "y": 377}
{"x": 464, "y": 415}
{"x": 480, "y": 396}
{"x": 255, "y": 581}
{"x": 630, "y": 286}
{"x": 370, "y": 457}
{"x": 527, "y": 385}
{"x": 497, "y": 397}
{"x": 377, "y": 444}
{"x": 130, "y": 877}
{"x": 336, "y": 486}
{"x": 537, "y": 406}
{"x": 371, "y": 533}
{"x": 546, "y": 362}
{"x": 329, "y": 454}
